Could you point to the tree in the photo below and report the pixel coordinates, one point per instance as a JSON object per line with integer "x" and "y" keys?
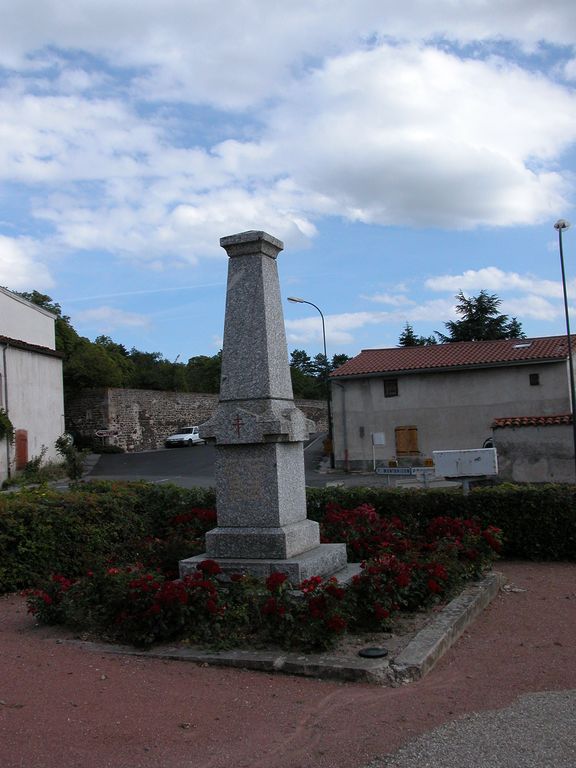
{"x": 481, "y": 321}
{"x": 203, "y": 373}
{"x": 409, "y": 339}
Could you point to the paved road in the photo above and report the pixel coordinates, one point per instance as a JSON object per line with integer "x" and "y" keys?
{"x": 187, "y": 467}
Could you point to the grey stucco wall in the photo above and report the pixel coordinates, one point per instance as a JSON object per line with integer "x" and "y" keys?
{"x": 531, "y": 454}
{"x": 451, "y": 410}
{"x": 142, "y": 418}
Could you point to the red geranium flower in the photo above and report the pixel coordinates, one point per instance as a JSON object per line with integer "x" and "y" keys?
{"x": 209, "y": 567}
{"x": 336, "y": 623}
{"x": 275, "y": 580}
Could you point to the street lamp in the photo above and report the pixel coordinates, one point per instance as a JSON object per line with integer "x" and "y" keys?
{"x": 297, "y": 300}
{"x": 561, "y": 225}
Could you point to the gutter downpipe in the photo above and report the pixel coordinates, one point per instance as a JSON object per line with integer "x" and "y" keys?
{"x": 4, "y": 348}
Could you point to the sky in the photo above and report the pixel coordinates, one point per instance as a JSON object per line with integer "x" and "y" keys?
{"x": 403, "y": 152}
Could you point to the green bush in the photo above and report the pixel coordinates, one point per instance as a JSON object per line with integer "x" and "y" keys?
{"x": 43, "y": 531}
{"x": 538, "y": 521}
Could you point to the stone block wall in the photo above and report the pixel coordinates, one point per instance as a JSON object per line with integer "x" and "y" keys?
{"x": 140, "y": 419}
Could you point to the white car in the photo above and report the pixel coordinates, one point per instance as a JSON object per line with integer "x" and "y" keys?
{"x": 188, "y": 436}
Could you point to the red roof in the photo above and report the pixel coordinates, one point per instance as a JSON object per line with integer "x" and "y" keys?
{"x": 458, "y": 354}
{"x": 532, "y": 421}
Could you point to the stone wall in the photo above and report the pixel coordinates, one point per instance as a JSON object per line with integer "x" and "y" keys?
{"x": 140, "y": 419}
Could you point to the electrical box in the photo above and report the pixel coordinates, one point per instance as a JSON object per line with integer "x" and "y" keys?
{"x": 469, "y": 463}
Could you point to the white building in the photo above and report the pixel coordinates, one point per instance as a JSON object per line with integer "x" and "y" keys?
{"x": 31, "y": 387}
{"x": 402, "y": 404}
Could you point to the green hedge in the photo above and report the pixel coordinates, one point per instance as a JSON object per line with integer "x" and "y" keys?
{"x": 539, "y": 522}
{"x": 43, "y": 530}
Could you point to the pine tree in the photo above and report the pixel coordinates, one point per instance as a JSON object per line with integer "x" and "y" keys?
{"x": 481, "y": 320}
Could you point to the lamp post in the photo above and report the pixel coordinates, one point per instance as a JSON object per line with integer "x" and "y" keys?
{"x": 561, "y": 225}
{"x": 297, "y": 300}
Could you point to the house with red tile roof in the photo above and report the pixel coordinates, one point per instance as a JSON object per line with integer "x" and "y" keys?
{"x": 401, "y": 404}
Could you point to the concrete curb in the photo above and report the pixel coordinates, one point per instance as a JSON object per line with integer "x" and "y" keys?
{"x": 432, "y": 642}
{"x": 415, "y": 661}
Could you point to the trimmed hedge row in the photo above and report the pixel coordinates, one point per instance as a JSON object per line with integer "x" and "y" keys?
{"x": 44, "y": 531}
{"x": 539, "y": 522}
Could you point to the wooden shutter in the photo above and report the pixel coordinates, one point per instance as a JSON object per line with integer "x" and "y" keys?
{"x": 406, "y": 441}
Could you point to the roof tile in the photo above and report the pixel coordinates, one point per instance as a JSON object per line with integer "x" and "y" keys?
{"x": 459, "y": 354}
{"x": 532, "y": 421}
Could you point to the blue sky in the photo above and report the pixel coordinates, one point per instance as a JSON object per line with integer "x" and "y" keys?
{"x": 402, "y": 151}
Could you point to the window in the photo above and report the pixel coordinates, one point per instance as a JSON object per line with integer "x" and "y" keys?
{"x": 390, "y": 387}
{"x": 406, "y": 441}
{"x": 534, "y": 379}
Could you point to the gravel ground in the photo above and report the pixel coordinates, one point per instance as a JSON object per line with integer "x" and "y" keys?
{"x": 66, "y": 707}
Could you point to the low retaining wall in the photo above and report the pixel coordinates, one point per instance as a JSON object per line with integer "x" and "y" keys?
{"x": 140, "y": 419}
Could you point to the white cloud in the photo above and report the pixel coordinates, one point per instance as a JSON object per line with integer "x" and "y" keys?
{"x": 497, "y": 280}
{"x": 20, "y": 267}
{"x": 532, "y": 307}
{"x": 427, "y": 140}
{"x": 394, "y": 300}
{"x": 106, "y": 319}
{"x": 339, "y": 327}
{"x": 322, "y": 109}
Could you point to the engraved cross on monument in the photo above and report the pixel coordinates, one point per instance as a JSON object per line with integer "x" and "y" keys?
{"x": 259, "y": 433}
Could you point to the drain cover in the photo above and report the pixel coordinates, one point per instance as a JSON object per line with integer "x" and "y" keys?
{"x": 373, "y": 653}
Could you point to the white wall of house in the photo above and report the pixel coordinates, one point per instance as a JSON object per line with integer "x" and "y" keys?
{"x": 451, "y": 410}
{"x": 536, "y": 454}
{"x": 19, "y": 319}
{"x": 31, "y": 387}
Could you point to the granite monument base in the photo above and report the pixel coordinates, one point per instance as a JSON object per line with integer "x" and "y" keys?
{"x": 324, "y": 560}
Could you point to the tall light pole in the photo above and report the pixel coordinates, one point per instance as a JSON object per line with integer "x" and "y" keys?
{"x": 561, "y": 225}
{"x": 297, "y": 300}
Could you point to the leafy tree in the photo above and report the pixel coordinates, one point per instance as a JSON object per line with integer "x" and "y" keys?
{"x": 409, "y": 339}
{"x": 203, "y": 373}
{"x": 338, "y": 360}
{"x": 301, "y": 361}
{"x": 121, "y": 358}
{"x": 90, "y": 365}
{"x": 481, "y": 320}
{"x": 309, "y": 375}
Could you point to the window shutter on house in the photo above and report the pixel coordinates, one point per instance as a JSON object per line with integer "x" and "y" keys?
{"x": 406, "y": 440}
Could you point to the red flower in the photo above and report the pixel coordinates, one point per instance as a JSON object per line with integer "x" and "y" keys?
{"x": 316, "y": 607}
{"x": 403, "y": 579}
{"x": 433, "y": 586}
{"x": 335, "y": 591}
{"x": 438, "y": 571}
{"x": 311, "y": 584}
{"x": 275, "y": 580}
{"x": 380, "y": 612}
{"x": 336, "y": 623}
{"x": 209, "y": 567}
{"x": 211, "y": 606}
{"x": 270, "y": 607}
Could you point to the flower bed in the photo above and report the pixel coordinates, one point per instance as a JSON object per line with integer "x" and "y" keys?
{"x": 143, "y": 603}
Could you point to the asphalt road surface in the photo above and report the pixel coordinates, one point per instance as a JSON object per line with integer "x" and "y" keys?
{"x": 186, "y": 467}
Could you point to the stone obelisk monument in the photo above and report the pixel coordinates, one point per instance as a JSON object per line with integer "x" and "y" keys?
{"x": 259, "y": 432}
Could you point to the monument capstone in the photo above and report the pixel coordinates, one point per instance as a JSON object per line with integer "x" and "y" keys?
{"x": 259, "y": 433}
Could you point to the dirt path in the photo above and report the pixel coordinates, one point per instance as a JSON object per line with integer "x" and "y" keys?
{"x": 61, "y": 706}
